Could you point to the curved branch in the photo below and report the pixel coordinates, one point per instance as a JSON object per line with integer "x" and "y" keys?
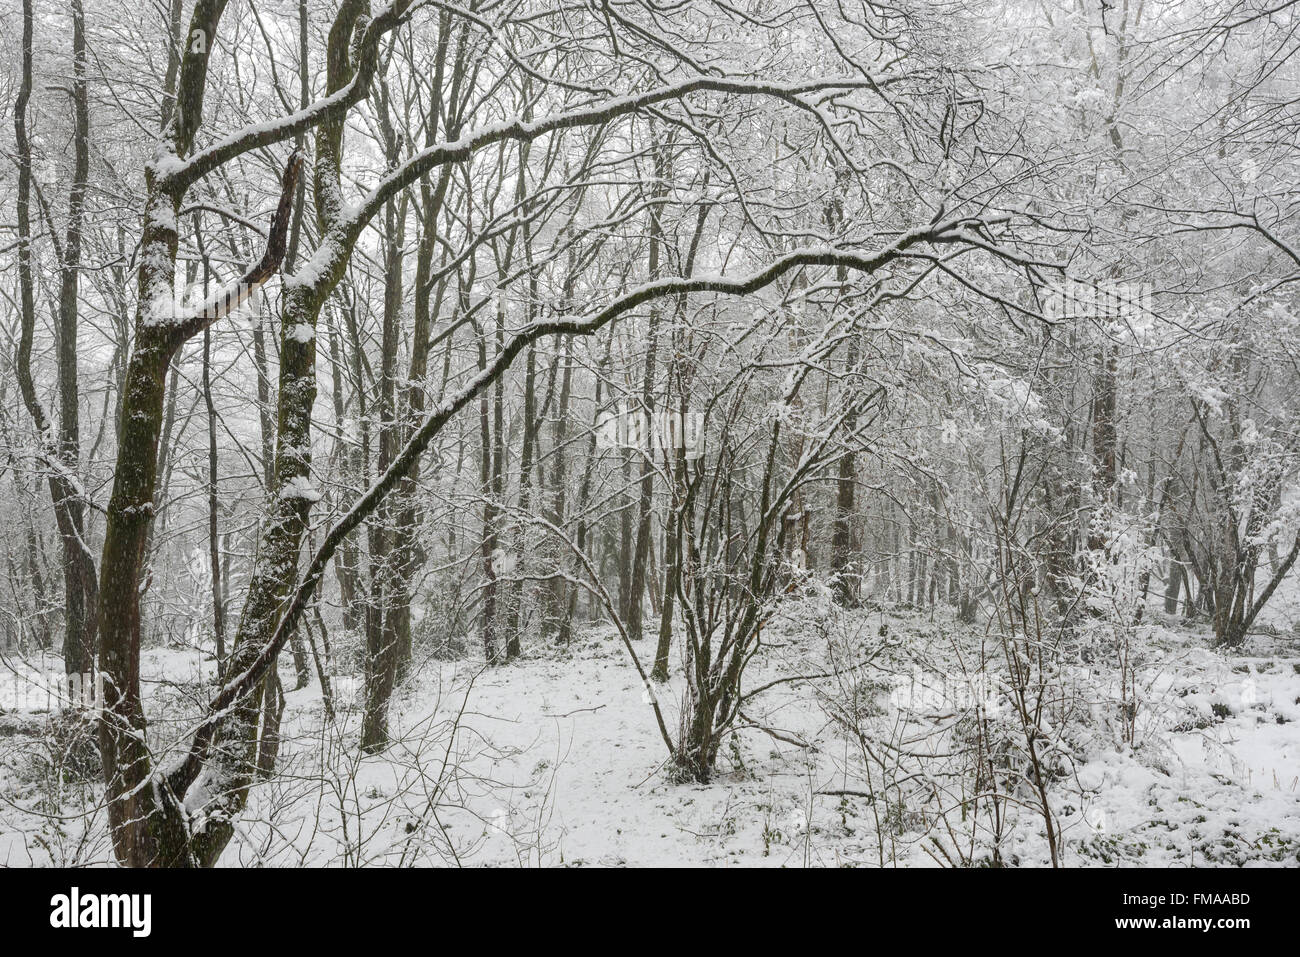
{"x": 233, "y": 295}
{"x": 176, "y": 176}
{"x": 188, "y": 768}
{"x": 525, "y": 131}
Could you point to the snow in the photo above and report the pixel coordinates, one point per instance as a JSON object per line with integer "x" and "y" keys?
{"x": 301, "y": 487}
{"x": 555, "y": 760}
{"x": 562, "y": 765}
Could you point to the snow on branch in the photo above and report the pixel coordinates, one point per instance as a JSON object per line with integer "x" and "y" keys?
{"x": 233, "y": 295}
{"x": 178, "y": 174}
{"x": 325, "y": 261}
{"x": 237, "y": 685}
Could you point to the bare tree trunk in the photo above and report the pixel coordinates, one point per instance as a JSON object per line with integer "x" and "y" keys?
{"x": 388, "y": 627}
{"x": 214, "y": 547}
{"x": 1174, "y": 586}
{"x": 677, "y": 379}
{"x": 846, "y": 577}
{"x": 61, "y": 452}
{"x": 516, "y": 600}
{"x": 347, "y": 563}
{"x": 843, "y": 567}
{"x": 147, "y": 822}
{"x": 641, "y": 546}
{"x": 584, "y": 496}
{"x": 488, "y": 543}
{"x": 405, "y": 554}
{"x": 558, "y": 589}
{"x": 672, "y": 562}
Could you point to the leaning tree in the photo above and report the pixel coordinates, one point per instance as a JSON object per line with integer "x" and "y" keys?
{"x": 529, "y": 82}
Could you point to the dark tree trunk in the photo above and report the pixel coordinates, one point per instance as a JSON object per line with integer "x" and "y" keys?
{"x": 633, "y": 613}
{"x": 61, "y": 450}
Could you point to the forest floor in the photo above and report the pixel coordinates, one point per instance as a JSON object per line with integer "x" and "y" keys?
{"x": 570, "y": 761}
{"x": 556, "y": 759}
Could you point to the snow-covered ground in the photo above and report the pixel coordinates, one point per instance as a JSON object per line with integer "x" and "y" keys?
{"x": 557, "y": 760}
